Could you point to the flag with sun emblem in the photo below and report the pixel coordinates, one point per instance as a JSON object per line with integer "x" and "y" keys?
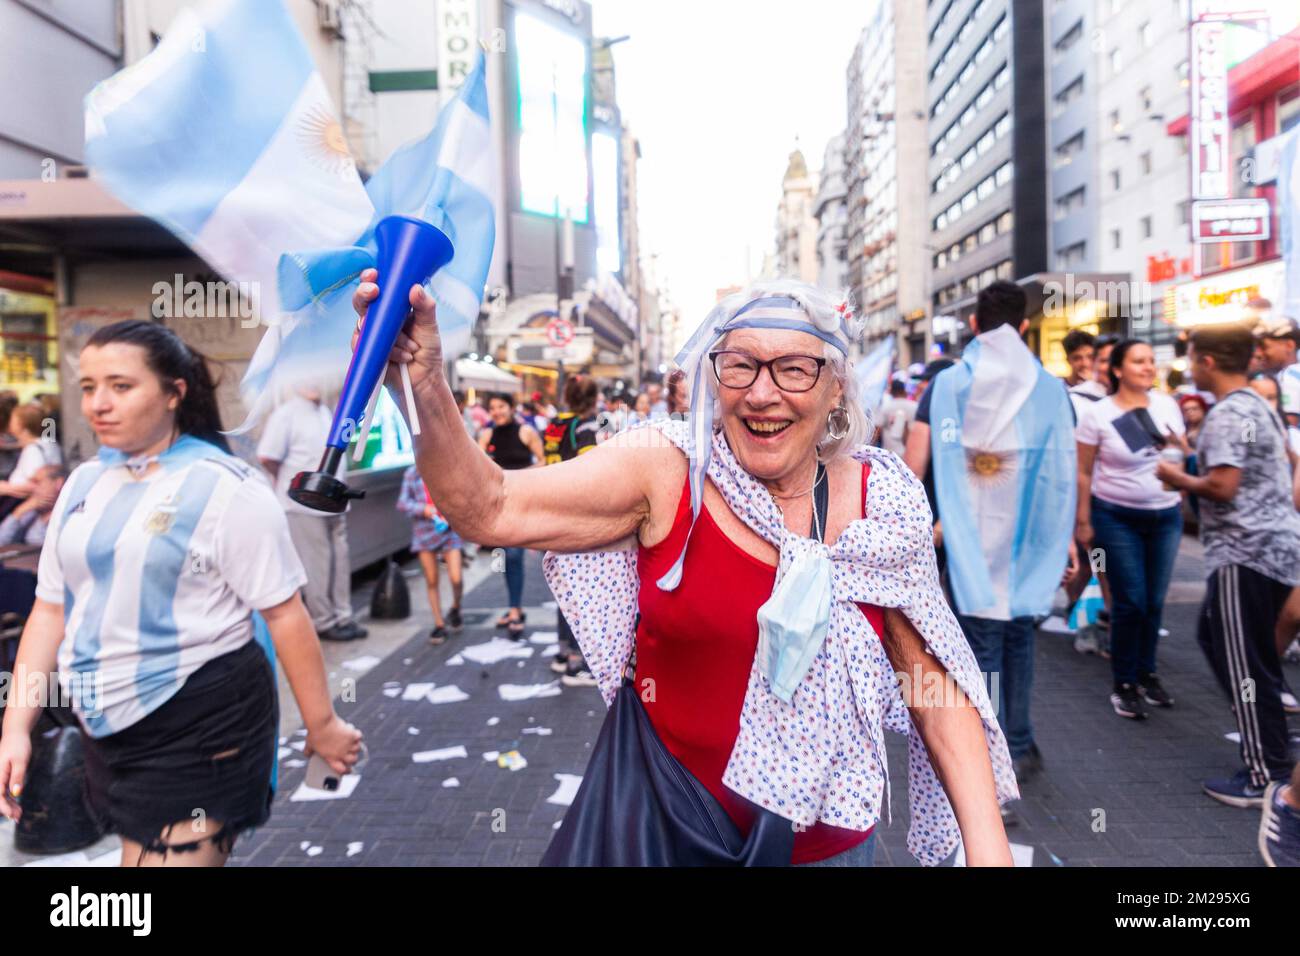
{"x": 1002, "y": 442}
{"x": 226, "y": 135}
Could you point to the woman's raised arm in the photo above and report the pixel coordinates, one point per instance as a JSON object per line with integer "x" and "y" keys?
{"x": 589, "y": 502}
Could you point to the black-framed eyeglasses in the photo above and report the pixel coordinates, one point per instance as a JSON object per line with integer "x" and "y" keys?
{"x": 790, "y": 373}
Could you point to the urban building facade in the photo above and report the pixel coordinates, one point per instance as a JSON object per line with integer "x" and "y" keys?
{"x": 831, "y": 212}
{"x": 796, "y": 227}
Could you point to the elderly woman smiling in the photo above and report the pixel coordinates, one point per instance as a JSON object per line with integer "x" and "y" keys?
{"x": 771, "y": 575}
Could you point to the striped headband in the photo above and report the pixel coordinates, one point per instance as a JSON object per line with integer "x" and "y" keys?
{"x": 768, "y": 312}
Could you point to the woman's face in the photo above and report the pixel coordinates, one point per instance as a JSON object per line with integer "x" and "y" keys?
{"x": 775, "y": 433}
{"x": 642, "y": 404}
{"x": 1138, "y": 369}
{"x": 123, "y": 399}
{"x": 502, "y": 412}
{"x": 1192, "y": 414}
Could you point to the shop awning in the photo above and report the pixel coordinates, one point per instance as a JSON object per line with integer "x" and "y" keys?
{"x": 471, "y": 374}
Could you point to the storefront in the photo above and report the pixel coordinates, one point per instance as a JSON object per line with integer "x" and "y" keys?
{"x": 1225, "y": 296}
{"x": 29, "y": 350}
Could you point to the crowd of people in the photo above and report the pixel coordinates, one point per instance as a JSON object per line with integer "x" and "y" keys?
{"x": 1001, "y": 490}
{"x": 1215, "y": 454}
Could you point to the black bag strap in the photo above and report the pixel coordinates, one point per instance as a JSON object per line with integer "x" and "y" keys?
{"x": 821, "y": 502}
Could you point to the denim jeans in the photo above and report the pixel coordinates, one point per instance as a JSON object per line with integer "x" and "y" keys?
{"x": 1139, "y": 546}
{"x": 515, "y": 576}
{"x": 861, "y": 855}
{"x": 1005, "y": 652}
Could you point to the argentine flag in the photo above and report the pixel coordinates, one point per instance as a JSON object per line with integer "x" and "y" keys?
{"x": 1288, "y": 213}
{"x": 1002, "y": 443}
{"x": 872, "y": 372}
{"x": 226, "y": 135}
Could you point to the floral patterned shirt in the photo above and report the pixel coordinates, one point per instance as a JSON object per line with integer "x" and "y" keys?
{"x": 822, "y": 756}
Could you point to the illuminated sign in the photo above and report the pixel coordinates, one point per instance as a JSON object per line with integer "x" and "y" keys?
{"x": 1230, "y": 220}
{"x": 1223, "y": 298}
{"x": 1209, "y": 115}
{"x": 552, "y": 89}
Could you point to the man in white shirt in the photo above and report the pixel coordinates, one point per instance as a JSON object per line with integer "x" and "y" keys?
{"x": 291, "y": 442}
{"x": 896, "y": 417}
{"x": 1275, "y": 353}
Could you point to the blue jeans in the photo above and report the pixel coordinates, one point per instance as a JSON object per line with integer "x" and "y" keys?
{"x": 515, "y": 576}
{"x": 861, "y": 855}
{"x": 1139, "y": 546}
{"x": 1005, "y": 652}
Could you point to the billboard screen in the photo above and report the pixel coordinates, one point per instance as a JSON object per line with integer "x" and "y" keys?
{"x": 552, "y": 103}
{"x": 604, "y": 166}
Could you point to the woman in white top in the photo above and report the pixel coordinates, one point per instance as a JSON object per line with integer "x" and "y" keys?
{"x": 1128, "y": 517}
{"x": 158, "y": 554}
{"x": 26, "y": 424}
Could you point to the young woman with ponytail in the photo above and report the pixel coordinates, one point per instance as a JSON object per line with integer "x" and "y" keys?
{"x": 158, "y": 554}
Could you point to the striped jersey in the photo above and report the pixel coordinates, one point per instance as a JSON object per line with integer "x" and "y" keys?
{"x": 160, "y": 574}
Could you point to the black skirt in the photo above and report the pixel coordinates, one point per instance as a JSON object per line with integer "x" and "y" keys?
{"x": 196, "y": 769}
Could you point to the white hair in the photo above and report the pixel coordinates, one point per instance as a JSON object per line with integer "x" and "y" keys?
{"x": 824, "y": 313}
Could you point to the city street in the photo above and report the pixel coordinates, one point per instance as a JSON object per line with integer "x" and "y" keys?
{"x": 1145, "y": 777}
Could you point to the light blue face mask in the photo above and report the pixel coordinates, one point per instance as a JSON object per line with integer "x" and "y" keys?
{"x": 792, "y": 624}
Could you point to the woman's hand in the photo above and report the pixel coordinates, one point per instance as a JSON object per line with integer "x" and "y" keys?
{"x": 337, "y": 741}
{"x": 1083, "y": 532}
{"x": 418, "y": 345}
{"x": 15, "y": 755}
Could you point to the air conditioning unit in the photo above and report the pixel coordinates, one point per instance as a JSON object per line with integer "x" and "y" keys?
{"x": 329, "y": 17}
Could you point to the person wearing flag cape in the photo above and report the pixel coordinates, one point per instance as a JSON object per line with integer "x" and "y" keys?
{"x": 776, "y": 645}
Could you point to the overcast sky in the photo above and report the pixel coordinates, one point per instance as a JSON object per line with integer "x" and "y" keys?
{"x": 717, "y": 91}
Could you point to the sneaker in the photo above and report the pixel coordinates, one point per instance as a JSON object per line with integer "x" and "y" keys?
{"x": 515, "y": 630}
{"x": 1279, "y": 829}
{"x": 339, "y": 634}
{"x": 1128, "y": 702}
{"x": 1293, "y": 652}
{"x": 1028, "y": 764}
{"x": 1236, "y": 791}
{"x": 454, "y": 620}
{"x": 1153, "y": 692}
{"x": 1163, "y": 632}
{"x": 1085, "y": 641}
{"x": 577, "y": 675}
{"x": 354, "y": 631}
{"x": 1056, "y": 625}
{"x": 560, "y": 663}
{"x": 438, "y": 635}
{"x": 1289, "y": 702}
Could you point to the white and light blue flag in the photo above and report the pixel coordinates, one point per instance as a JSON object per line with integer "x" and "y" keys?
{"x": 226, "y": 135}
{"x": 1002, "y": 443}
{"x": 1288, "y": 213}
{"x": 872, "y": 372}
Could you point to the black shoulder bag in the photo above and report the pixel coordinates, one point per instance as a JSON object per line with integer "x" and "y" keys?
{"x": 638, "y": 806}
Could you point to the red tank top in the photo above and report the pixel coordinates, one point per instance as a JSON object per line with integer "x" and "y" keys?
{"x": 697, "y": 644}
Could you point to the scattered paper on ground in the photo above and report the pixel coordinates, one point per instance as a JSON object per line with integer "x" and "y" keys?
{"x": 392, "y": 691}
{"x": 491, "y": 755}
{"x": 446, "y": 753}
{"x": 539, "y": 731}
{"x": 347, "y": 783}
{"x": 417, "y": 691}
{"x": 493, "y": 721}
{"x": 567, "y": 790}
{"x": 283, "y": 752}
{"x": 544, "y": 637}
{"x": 412, "y": 730}
{"x": 292, "y": 764}
{"x": 362, "y": 663}
{"x": 450, "y": 694}
{"x": 454, "y": 661}
{"x": 550, "y": 650}
{"x": 1235, "y": 736}
{"x": 315, "y": 850}
{"x": 529, "y": 691}
{"x": 497, "y": 649}
{"x": 512, "y": 761}
{"x": 450, "y": 782}
{"x": 355, "y": 848}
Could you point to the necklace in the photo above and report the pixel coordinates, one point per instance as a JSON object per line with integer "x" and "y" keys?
{"x": 800, "y": 494}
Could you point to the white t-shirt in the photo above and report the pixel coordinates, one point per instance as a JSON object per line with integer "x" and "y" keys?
{"x": 1124, "y": 471}
{"x": 1083, "y": 396}
{"x": 1288, "y": 386}
{"x": 295, "y": 436}
{"x": 160, "y": 575}
{"x": 896, "y": 417}
{"x": 33, "y": 458}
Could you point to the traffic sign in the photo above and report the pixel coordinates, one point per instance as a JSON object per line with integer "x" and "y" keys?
{"x": 559, "y": 332}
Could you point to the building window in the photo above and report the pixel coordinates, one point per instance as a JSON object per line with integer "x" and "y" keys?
{"x": 1072, "y": 36}
{"x": 1004, "y": 269}
{"x": 1070, "y": 202}
{"x": 1184, "y": 76}
{"x": 1144, "y": 227}
{"x": 1115, "y": 124}
{"x": 1114, "y": 179}
{"x": 1065, "y": 153}
{"x": 1148, "y": 35}
{"x": 1185, "y": 212}
{"x": 1147, "y": 101}
{"x": 1116, "y": 62}
{"x": 1072, "y": 256}
{"x": 1144, "y": 161}
{"x": 1288, "y": 109}
{"x": 1005, "y": 222}
{"x": 1115, "y": 239}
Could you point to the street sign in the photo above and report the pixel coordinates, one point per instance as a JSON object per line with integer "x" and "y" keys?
{"x": 398, "y": 81}
{"x": 559, "y": 332}
{"x": 1230, "y": 220}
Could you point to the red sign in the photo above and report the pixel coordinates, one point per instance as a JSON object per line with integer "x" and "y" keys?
{"x": 559, "y": 332}
{"x": 1162, "y": 268}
